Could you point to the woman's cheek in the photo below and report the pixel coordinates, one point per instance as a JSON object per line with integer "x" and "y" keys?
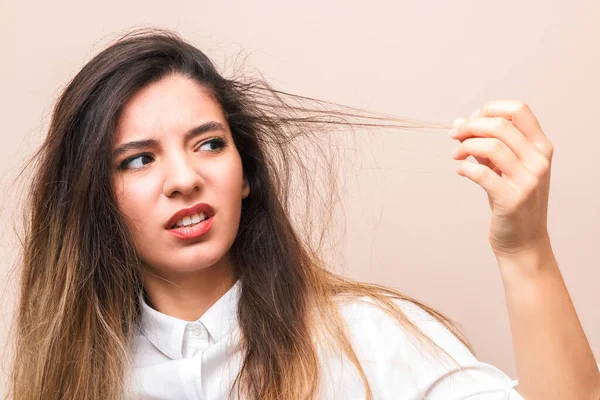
{"x": 136, "y": 204}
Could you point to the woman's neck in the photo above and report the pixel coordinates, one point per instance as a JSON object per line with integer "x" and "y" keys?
{"x": 188, "y": 295}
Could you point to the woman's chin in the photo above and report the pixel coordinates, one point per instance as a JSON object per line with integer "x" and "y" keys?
{"x": 192, "y": 260}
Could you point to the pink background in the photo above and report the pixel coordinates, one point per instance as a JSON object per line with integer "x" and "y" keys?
{"x": 411, "y": 221}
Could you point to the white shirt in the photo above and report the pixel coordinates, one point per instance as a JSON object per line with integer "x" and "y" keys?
{"x": 177, "y": 359}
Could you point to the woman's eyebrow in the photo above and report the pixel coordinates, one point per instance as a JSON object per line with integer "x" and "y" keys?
{"x": 209, "y": 126}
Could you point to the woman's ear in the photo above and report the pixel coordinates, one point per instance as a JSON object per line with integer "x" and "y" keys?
{"x": 245, "y": 188}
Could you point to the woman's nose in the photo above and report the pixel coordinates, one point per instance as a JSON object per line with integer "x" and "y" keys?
{"x": 180, "y": 176}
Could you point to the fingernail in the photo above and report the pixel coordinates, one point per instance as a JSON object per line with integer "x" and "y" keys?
{"x": 455, "y": 126}
{"x": 458, "y": 122}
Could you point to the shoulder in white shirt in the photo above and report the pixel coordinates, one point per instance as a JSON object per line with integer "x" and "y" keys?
{"x": 177, "y": 359}
{"x": 397, "y": 368}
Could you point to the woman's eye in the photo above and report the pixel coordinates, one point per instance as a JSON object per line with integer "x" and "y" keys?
{"x": 218, "y": 142}
{"x": 134, "y": 162}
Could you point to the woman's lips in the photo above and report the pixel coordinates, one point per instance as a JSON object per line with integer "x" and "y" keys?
{"x": 204, "y": 208}
{"x": 191, "y": 232}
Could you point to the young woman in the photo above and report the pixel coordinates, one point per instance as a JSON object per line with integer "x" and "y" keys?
{"x": 161, "y": 260}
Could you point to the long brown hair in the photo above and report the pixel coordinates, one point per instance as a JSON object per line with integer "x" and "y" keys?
{"x": 78, "y": 310}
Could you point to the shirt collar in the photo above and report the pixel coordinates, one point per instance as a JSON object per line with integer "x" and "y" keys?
{"x": 167, "y": 332}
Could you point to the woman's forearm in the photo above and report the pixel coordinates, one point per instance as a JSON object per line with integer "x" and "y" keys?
{"x": 553, "y": 356}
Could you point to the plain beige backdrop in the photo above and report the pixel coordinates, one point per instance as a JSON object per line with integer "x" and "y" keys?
{"x": 412, "y": 222}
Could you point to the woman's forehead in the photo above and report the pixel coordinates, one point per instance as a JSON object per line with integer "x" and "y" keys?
{"x": 169, "y": 106}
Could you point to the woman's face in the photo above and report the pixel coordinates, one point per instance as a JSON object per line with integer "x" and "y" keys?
{"x": 172, "y": 171}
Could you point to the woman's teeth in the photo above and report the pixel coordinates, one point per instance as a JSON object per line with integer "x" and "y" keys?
{"x": 190, "y": 220}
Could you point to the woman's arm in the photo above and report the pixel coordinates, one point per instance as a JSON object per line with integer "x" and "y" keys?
{"x": 554, "y": 359}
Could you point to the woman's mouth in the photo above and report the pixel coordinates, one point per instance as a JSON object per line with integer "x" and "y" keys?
{"x": 194, "y": 229}
{"x": 189, "y": 221}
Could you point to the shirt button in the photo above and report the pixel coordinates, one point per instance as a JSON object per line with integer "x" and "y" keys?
{"x": 197, "y": 330}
